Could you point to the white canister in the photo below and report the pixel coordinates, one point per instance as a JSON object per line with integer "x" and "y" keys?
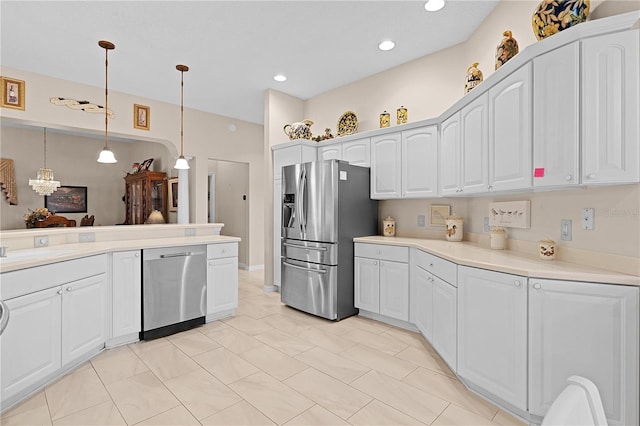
{"x": 454, "y": 225}
{"x": 498, "y": 238}
{"x": 548, "y": 249}
{"x": 389, "y": 227}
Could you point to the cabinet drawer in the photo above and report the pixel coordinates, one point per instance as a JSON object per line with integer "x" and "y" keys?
{"x": 383, "y": 252}
{"x": 447, "y": 271}
{"x": 218, "y": 251}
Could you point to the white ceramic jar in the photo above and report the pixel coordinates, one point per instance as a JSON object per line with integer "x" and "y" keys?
{"x": 548, "y": 249}
{"x": 498, "y": 238}
{"x": 389, "y": 227}
{"x": 454, "y": 228}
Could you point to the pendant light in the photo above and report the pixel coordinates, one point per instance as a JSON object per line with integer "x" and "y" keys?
{"x": 106, "y": 156}
{"x": 181, "y": 162}
{"x": 44, "y": 183}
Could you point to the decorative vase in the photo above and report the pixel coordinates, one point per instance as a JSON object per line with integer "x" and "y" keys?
{"x": 402, "y": 115}
{"x": 384, "y": 120}
{"x": 548, "y": 249}
{"x": 299, "y": 130}
{"x": 454, "y": 228}
{"x": 389, "y": 227}
{"x": 474, "y": 77}
{"x": 553, "y": 16}
{"x": 507, "y": 49}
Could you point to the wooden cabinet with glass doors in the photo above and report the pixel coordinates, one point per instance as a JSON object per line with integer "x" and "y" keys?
{"x": 145, "y": 192}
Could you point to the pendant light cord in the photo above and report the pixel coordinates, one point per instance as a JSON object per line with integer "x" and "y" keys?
{"x": 182, "y": 113}
{"x": 106, "y": 98}
{"x": 45, "y": 147}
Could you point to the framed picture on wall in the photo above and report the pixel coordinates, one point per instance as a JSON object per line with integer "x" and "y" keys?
{"x": 67, "y": 199}
{"x": 173, "y": 194}
{"x": 12, "y": 93}
{"x": 141, "y": 116}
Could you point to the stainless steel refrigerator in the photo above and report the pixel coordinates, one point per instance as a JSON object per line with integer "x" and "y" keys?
{"x": 325, "y": 204}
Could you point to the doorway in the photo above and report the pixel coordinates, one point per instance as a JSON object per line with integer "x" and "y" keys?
{"x": 229, "y": 202}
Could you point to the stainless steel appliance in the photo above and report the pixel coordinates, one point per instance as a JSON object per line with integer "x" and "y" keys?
{"x": 174, "y": 290}
{"x": 325, "y": 204}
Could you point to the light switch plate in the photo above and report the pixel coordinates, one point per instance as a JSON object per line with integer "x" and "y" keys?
{"x": 189, "y": 232}
{"x": 588, "y": 219}
{"x": 87, "y": 237}
{"x": 565, "y": 229}
{"x": 41, "y": 241}
{"x": 486, "y": 228}
{"x": 421, "y": 220}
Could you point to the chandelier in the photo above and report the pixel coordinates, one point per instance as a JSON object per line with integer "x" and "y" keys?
{"x": 44, "y": 183}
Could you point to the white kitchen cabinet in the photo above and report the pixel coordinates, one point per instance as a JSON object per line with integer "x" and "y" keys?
{"x": 85, "y": 323}
{"x": 330, "y": 152}
{"x": 126, "y": 293}
{"x": 584, "y": 329}
{"x": 386, "y": 167}
{"x": 510, "y": 150}
{"x": 357, "y": 152}
{"x": 445, "y": 320}
{"x": 222, "y": 280}
{"x": 610, "y": 108}
{"x": 419, "y": 162}
{"x": 381, "y": 280}
{"x": 556, "y": 117}
{"x": 30, "y": 347}
{"x": 421, "y": 306}
{"x": 277, "y": 231}
{"x": 450, "y": 154}
{"x": 492, "y": 333}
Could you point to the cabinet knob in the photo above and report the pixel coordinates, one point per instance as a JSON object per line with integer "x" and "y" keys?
{"x": 489, "y": 187}
{"x": 377, "y": 251}
{"x": 537, "y": 286}
{"x": 568, "y": 178}
{"x": 517, "y": 283}
{"x": 210, "y": 263}
{"x": 69, "y": 288}
{"x": 591, "y": 176}
{"x": 375, "y": 263}
{"x": 431, "y": 265}
{"x": 137, "y": 254}
{"x": 59, "y": 291}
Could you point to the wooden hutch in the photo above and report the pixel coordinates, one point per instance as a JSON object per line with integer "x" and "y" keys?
{"x": 145, "y": 192}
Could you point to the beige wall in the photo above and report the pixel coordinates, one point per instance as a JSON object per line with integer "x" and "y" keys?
{"x": 205, "y": 136}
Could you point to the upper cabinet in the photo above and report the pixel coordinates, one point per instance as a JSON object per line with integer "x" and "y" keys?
{"x": 292, "y": 154}
{"x": 556, "y": 117}
{"x": 611, "y": 107}
{"x": 355, "y": 152}
{"x": 386, "y": 152}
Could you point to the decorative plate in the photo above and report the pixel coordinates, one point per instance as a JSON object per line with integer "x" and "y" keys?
{"x": 347, "y": 123}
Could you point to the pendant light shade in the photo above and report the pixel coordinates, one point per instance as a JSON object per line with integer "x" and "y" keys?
{"x": 181, "y": 162}
{"x": 106, "y": 156}
{"x": 44, "y": 184}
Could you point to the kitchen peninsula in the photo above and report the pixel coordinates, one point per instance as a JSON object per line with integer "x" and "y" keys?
{"x": 72, "y": 292}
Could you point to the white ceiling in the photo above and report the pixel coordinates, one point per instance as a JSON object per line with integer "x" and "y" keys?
{"x": 233, "y": 48}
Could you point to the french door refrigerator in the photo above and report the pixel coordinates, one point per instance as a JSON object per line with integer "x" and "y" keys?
{"x": 325, "y": 204}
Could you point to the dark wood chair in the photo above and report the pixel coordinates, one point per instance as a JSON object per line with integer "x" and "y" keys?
{"x": 87, "y": 220}
{"x": 55, "y": 221}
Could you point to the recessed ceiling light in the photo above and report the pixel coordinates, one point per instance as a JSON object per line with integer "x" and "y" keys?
{"x": 434, "y": 5}
{"x": 386, "y": 45}
{"x": 280, "y": 77}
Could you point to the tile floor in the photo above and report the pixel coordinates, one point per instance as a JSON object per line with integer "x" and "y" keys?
{"x": 269, "y": 364}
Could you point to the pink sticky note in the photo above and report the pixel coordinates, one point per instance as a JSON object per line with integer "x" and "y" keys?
{"x": 539, "y": 172}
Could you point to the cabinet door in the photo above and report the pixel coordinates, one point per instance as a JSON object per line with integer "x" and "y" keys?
{"x": 556, "y": 117}
{"x": 30, "y": 345}
{"x": 394, "y": 290}
{"x": 474, "y": 134}
{"x": 492, "y": 333}
{"x": 385, "y": 166}
{"x": 126, "y": 276}
{"x": 445, "y": 321}
{"x": 277, "y": 231}
{"x": 84, "y": 316}
{"x": 611, "y": 107}
{"x": 366, "y": 284}
{"x": 422, "y": 301}
{"x": 331, "y": 152}
{"x": 450, "y": 162}
{"x": 420, "y": 162}
{"x": 357, "y": 152}
{"x": 222, "y": 285}
{"x": 510, "y": 156}
{"x": 589, "y": 330}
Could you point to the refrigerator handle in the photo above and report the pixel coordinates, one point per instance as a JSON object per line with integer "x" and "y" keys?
{"x": 303, "y": 215}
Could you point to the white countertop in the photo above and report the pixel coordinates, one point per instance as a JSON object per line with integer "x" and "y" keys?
{"x": 469, "y": 254}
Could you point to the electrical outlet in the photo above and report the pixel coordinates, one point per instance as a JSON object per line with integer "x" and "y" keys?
{"x": 41, "y": 241}
{"x": 189, "y": 232}
{"x": 565, "y": 229}
{"x": 421, "y": 220}
{"x": 487, "y": 228}
{"x": 588, "y": 219}
{"x": 87, "y": 237}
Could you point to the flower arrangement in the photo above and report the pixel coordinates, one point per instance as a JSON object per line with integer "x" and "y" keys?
{"x": 32, "y": 217}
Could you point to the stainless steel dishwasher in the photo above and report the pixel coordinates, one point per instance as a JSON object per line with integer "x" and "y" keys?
{"x": 174, "y": 290}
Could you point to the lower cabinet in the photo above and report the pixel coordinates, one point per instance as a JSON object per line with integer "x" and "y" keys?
{"x": 381, "y": 280}
{"x": 422, "y": 301}
{"x": 445, "y": 321}
{"x": 589, "y": 330}
{"x": 492, "y": 333}
{"x": 126, "y": 278}
{"x": 222, "y": 280}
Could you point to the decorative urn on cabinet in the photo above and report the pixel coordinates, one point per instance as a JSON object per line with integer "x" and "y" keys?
{"x": 507, "y": 49}
{"x": 553, "y": 16}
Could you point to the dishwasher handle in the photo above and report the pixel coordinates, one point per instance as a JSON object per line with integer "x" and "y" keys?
{"x": 4, "y": 318}
{"x": 185, "y": 254}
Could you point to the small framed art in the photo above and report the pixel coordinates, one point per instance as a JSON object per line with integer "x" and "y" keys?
{"x": 173, "y": 194}
{"x": 141, "y": 117}
{"x": 12, "y": 93}
{"x": 439, "y": 214}
{"x": 67, "y": 199}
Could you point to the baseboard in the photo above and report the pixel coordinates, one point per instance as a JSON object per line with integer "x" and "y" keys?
{"x": 270, "y": 288}
{"x": 251, "y": 268}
